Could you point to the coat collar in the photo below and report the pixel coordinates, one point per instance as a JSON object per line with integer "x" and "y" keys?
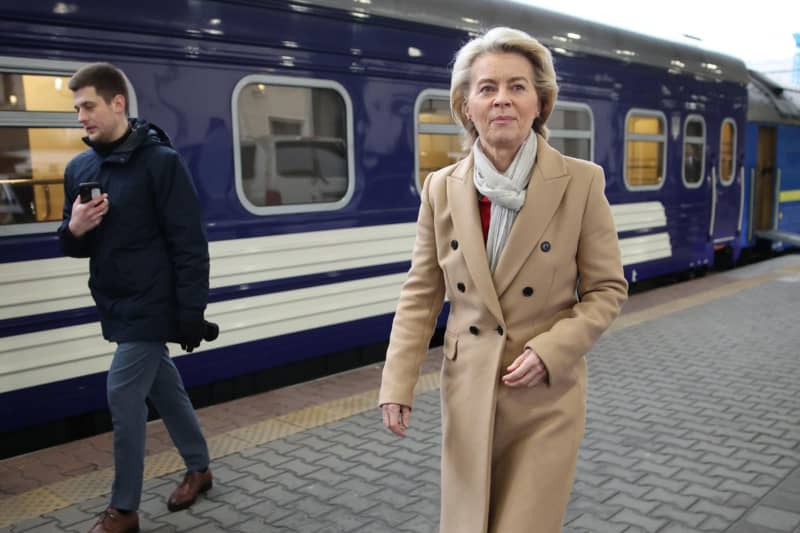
{"x": 547, "y": 185}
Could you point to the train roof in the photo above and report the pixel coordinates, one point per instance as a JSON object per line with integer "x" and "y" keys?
{"x": 770, "y": 102}
{"x": 561, "y": 33}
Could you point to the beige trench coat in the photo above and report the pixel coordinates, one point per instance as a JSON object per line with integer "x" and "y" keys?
{"x": 508, "y": 454}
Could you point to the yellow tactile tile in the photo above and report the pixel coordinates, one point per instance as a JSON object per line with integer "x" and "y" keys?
{"x": 29, "y": 504}
{"x": 84, "y": 487}
{"x": 428, "y": 382}
{"x": 308, "y": 418}
{"x": 162, "y": 463}
{"x": 259, "y": 433}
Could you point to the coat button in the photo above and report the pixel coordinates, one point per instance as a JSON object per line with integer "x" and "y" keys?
{"x": 461, "y": 287}
{"x": 527, "y": 291}
{"x": 454, "y": 244}
{"x": 474, "y": 330}
{"x": 499, "y": 330}
{"x": 545, "y": 246}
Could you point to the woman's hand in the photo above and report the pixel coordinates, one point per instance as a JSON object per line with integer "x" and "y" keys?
{"x": 527, "y": 370}
{"x": 396, "y": 417}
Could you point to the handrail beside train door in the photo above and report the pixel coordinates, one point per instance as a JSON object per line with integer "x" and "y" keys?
{"x": 741, "y": 200}
{"x": 713, "y": 202}
{"x": 752, "y": 204}
{"x": 776, "y": 206}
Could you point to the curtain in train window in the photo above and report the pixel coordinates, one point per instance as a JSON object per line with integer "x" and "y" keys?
{"x": 571, "y": 129}
{"x": 727, "y": 151}
{"x": 38, "y": 136}
{"x": 438, "y": 137}
{"x": 292, "y": 144}
{"x": 645, "y": 150}
{"x": 694, "y": 150}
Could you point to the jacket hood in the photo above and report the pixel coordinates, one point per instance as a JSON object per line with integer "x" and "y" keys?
{"x": 142, "y": 134}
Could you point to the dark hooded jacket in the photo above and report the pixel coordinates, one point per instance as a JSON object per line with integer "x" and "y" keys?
{"x": 149, "y": 256}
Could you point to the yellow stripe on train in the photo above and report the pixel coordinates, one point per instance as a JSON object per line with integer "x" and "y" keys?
{"x": 789, "y": 196}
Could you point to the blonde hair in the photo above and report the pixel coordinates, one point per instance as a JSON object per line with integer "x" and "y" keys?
{"x": 496, "y": 41}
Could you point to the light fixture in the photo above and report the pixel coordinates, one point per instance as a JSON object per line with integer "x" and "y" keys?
{"x": 575, "y": 36}
{"x": 63, "y": 8}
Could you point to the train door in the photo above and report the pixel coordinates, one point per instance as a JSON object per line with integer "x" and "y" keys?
{"x": 726, "y": 187}
{"x": 764, "y": 181}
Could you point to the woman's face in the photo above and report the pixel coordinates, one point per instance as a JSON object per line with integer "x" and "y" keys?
{"x": 502, "y": 100}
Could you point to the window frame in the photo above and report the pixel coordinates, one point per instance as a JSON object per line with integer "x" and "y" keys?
{"x": 664, "y": 138}
{"x": 45, "y": 119}
{"x": 699, "y": 183}
{"x": 442, "y": 129}
{"x": 722, "y": 180}
{"x": 303, "y": 83}
{"x": 576, "y": 134}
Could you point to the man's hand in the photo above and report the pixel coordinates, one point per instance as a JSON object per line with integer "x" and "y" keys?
{"x": 190, "y": 333}
{"x": 86, "y": 217}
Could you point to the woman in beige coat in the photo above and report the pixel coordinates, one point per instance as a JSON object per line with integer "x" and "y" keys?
{"x": 529, "y": 295}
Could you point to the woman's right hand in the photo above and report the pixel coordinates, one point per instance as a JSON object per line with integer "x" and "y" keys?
{"x": 396, "y": 417}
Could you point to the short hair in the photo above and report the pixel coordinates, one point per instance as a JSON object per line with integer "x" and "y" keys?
{"x": 107, "y": 80}
{"x": 503, "y": 40}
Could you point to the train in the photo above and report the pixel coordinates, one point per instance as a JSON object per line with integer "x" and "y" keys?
{"x": 308, "y": 127}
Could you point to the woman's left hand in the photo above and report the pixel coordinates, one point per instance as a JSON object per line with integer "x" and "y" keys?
{"x": 527, "y": 370}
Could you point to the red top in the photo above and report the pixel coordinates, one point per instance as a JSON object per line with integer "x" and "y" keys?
{"x": 485, "y": 208}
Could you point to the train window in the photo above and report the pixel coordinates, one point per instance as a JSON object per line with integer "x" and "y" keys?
{"x": 32, "y": 162}
{"x": 694, "y": 150}
{"x": 727, "y": 151}
{"x": 292, "y": 144}
{"x": 32, "y": 92}
{"x": 571, "y": 128}
{"x": 438, "y": 137}
{"x": 645, "y": 149}
{"x": 39, "y": 134}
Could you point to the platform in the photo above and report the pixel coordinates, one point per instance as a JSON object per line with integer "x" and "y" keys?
{"x": 693, "y": 425}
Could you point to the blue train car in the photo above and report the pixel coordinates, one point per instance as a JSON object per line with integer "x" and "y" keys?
{"x": 308, "y": 127}
{"x": 772, "y": 164}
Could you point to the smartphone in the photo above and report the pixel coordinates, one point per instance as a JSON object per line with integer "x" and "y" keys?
{"x": 89, "y": 191}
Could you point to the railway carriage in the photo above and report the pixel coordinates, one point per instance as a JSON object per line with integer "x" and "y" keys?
{"x": 772, "y": 165}
{"x": 308, "y": 128}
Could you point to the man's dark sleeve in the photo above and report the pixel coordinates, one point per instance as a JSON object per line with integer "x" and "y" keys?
{"x": 181, "y": 219}
{"x": 70, "y": 244}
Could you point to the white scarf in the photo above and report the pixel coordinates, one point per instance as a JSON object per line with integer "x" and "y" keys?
{"x": 506, "y": 190}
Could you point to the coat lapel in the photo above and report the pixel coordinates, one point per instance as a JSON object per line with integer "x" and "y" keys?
{"x": 463, "y": 202}
{"x": 546, "y": 187}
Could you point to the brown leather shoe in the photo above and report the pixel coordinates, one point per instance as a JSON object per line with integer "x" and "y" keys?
{"x": 193, "y": 484}
{"x": 112, "y": 521}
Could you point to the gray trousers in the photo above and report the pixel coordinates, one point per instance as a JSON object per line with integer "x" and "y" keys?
{"x": 142, "y": 370}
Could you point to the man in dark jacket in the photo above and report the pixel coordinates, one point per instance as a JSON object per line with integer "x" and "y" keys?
{"x": 149, "y": 268}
